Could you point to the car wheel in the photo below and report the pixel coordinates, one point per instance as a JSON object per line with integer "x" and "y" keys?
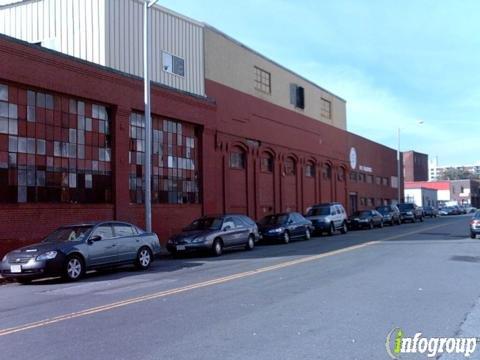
{"x": 250, "y": 243}
{"x": 331, "y": 230}
{"x": 344, "y": 228}
{"x": 144, "y": 258}
{"x": 473, "y": 235}
{"x": 74, "y": 268}
{"x": 286, "y": 237}
{"x": 307, "y": 234}
{"x": 217, "y": 247}
{"x": 370, "y": 225}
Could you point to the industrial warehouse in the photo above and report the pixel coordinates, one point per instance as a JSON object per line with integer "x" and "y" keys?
{"x": 233, "y": 131}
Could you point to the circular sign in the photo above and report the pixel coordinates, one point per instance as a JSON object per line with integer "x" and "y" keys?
{"x": 353, "y": 158}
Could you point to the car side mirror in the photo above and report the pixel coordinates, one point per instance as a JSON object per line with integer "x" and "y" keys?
{"x": 290, "y": 222}
{"x": 94, "y": 238}
{"x": 226, "y": 228}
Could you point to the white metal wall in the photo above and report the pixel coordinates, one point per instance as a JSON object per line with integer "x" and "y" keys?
{"x": 74, "y": 27}
{"x": 171, "y": 32}
{"x": 110, "y": 33}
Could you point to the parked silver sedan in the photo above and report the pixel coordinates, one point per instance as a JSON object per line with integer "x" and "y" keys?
{"x": 71, "y": 250}
{"x": 214, "y": 233}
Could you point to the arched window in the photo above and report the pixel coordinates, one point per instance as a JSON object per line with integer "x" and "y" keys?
{"x": 341, "y": 174}
{"x": 327, "y": 171}
{"x": 267, "y": 162}
{"x": 310, "y": 170}
{"x": 237, "y": 159}
{"x": 289, "y": 166}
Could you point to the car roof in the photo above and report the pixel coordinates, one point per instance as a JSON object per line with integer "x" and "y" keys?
{"x": 95, "y": 223}
{"x": 326, "y": 204}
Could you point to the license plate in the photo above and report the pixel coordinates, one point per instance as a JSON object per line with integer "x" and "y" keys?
{"x": 181, "y": 247}
{"x": 15, "y": 269}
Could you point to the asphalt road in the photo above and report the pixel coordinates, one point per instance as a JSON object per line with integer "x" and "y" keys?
{"x": 327, "y": 298}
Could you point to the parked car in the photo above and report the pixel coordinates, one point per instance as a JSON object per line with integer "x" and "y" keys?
{"x": 215, "y": 233}
{"x": 366, "y": 219}
{"x": 284, "y": 227}
{"x": 328, "y": 217}
{"x": 430, "y": 211}
{"x": 71, "y": 250}
{"x": 471, "y": 209}
{"x": 391, "y": 214}
{"x": 410, "y": 212}
{"x": 475, "y": 225}
{"x": 449, "y": 210}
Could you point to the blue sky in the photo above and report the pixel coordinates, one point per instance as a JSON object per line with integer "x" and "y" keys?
{"x": 396, "y": 63}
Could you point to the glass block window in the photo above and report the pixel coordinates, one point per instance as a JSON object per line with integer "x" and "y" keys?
{"x": 175, "y": 172}
{"x": 47, "y": 151}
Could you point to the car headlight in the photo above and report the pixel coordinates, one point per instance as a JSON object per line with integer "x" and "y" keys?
{"x": 198, "y": 240}
{"x": 277, "y": 230}
{"x": 47, "y": 256}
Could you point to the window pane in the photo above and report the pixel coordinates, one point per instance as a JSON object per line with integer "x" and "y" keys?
{"x": 3, "y": 92}
{"x": 123, "y": 230}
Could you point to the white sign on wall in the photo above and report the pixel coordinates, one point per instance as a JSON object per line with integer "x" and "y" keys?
{"x": 353, "y": 158}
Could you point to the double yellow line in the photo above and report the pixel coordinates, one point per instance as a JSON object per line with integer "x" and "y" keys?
{"x": 217, "y": 281}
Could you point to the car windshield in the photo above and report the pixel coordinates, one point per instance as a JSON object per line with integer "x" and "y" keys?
{"x": 274, "y": 220}
{"x": 383, "y": 209}
{"x": 477, "y": 215}
{"x": 206, "y": 223}
{"x": 68, "y": 233}
{"x": 361, "y": 214}
{"x": 404, "y": 207}
{"x": 319, "y": 211}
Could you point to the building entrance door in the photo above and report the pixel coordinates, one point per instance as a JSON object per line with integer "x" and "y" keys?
{"x": 353, "y": 201}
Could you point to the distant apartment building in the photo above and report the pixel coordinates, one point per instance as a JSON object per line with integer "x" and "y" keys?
{"x": 437, "y": 172}
{"x": 415, "y": 166}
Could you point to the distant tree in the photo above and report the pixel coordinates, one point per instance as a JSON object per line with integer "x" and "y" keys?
{"x": 457, "y": 174}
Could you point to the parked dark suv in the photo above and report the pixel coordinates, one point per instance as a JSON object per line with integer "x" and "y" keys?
{"x": 410, "y": 212}
{"x": 391, "y": 214}
{"x": 328, "y": 217}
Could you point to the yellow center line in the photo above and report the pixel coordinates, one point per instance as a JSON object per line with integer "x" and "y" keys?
{"x": 221, "y": 280}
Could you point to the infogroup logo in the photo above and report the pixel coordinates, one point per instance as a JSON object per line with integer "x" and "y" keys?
{"x": 397, "y": 343}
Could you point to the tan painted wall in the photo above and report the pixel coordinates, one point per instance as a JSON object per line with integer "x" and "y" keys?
{"x": 232, "y": 64}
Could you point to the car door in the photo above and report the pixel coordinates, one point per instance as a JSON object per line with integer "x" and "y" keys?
{"x": 103, "y": 251}
{"x": 128, "y": 241}
{"x": 299, "y": 223}
{"x": 241, "y": 231}
{"x": 337, "y": 216}
{"x": 290, "y": 225}
{"x": 228, "y": 232}
{"x": 378, "y": 217}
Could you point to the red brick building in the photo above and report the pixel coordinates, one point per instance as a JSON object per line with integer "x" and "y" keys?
{"x": 71, "y": 150}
